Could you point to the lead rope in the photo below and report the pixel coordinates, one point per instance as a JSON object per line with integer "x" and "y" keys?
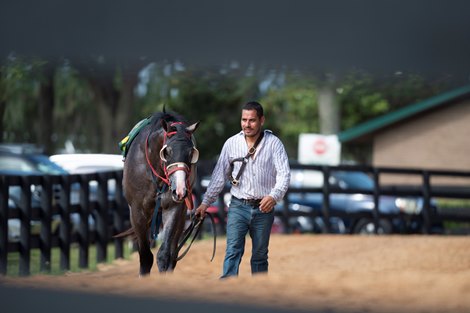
{"x": 196, "y": 224}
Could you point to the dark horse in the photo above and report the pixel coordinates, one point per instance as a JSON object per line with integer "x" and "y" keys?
{"x": 160, "y": 169}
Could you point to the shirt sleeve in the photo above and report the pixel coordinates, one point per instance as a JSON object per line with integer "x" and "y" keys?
{"x": 281, "y": 164}
{"x": 218, "y": 178}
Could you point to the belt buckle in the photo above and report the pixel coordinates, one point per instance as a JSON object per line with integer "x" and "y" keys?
{"x": 235, "y": 182}
{"x": 252, "y": 201}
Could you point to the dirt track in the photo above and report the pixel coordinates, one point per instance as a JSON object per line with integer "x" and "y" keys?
{"x": 315, "y": 273}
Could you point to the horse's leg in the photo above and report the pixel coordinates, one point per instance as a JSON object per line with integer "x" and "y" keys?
{"x": 173, "y": 220}
{"x": 140, "y": 226}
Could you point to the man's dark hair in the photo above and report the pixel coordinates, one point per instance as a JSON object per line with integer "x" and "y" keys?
{"x": 253, "y": 105}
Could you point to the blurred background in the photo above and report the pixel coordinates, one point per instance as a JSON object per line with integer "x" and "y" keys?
{"x": 77, "y": 75}
{"x": 378, "y": 90}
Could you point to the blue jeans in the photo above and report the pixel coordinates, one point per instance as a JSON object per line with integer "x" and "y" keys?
{"x": 242, "y": 219}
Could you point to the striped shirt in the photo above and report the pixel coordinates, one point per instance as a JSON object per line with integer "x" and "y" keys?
{"x": 268, "y": 173}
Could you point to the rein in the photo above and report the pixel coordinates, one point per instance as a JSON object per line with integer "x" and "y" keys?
{"x": 195, "y": 228}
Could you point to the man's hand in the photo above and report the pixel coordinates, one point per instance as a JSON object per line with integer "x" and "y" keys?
{"x": 267, "y": 204}
{"x": 201, "y": 211}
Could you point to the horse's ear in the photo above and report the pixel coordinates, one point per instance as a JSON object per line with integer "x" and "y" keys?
{"x": 192, "y": 127}
{"x": 164, "y": 111}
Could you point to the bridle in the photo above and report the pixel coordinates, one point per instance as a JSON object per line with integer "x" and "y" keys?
{"x": 173, "y": 167}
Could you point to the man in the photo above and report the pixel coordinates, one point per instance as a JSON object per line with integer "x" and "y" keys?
{"x": 256, "y": 162}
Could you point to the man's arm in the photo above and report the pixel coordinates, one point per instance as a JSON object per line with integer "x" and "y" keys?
{"x": 217, "y": 182}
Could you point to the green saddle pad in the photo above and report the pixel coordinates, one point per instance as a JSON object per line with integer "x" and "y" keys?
{"x": 126, "y": 142}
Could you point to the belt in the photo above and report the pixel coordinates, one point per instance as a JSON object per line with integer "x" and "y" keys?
{"x": 252, "y": 202}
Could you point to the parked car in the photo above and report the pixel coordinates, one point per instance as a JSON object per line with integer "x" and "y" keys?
{"x": 82, "y": 163}
{"x": 21, "y": 162}
{"x": 28, "y": 160}
{"x": 398, "y": 214}
{"x": 87, "y": 163}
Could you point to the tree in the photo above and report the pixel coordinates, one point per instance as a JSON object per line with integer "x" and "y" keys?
{"x": 20, "y": 88}
{"x": 113, "y": 89}
{"x": 292, "y": 109}
{"x": 212, "y": 96}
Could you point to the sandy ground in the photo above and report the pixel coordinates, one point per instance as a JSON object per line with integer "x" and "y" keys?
{"x": 321, "y": 273}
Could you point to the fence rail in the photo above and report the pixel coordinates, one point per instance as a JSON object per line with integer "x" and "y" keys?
{"x": 428, "y": 217}
{"x": 61, "y": 207}
{"x": 50, "y": 200}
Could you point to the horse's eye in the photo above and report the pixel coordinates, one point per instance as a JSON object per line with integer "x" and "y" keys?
{"x": 168, "y": 152}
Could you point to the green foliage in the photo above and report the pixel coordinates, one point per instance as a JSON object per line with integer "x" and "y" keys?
{"x": 74, "y": 108}
{"x": 291, "y": 110}
{"x": 212, "y": 96}
{"x": 363, "y": 96}
{"x": 20, "y": 82}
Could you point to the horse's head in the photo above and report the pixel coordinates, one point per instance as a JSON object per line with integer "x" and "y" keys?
{"x": 178, "y": 154}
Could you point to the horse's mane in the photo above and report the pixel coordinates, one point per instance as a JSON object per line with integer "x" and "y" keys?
{"x": 167, "y": 116}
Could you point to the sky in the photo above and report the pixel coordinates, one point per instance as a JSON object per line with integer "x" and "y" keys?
{"x": 382, "y": 36}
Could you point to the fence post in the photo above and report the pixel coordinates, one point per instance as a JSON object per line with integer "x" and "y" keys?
{"x": 286, "y": 214}
{"x": 221, "y": 212}
{"x": 83, "y": 228}
{"x": 45, "y": 245}
{"x": 119, "y": 216}
{"x": 25, "y": 226}
{"x": 65, "y": 224}
{"x": 375, "y": 211}
{"x": 427, "y": 214}
{"x": 3, "y": 225}
{"x": 102, "y": 219}
{"x": 326, "y": 198}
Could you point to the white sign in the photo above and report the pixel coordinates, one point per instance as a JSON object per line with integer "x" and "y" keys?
{"x": 319, "y": 149}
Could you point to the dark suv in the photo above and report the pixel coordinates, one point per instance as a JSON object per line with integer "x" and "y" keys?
{"x": 351, "y": 213}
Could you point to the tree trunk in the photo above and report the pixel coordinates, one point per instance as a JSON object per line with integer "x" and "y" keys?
{"x": 125, "y": 119}
{"x": 106, "y": 100}
{"x": 328, "y": 109}
{"x": 3, "y": 105}
{"x": 115, "y": 109}
{"x": 46, "y": 111}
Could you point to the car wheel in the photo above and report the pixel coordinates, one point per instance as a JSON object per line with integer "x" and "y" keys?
{"x": 366, "y": 226}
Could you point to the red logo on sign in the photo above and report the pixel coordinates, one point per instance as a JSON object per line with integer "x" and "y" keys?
{"x": 319, "y": 146}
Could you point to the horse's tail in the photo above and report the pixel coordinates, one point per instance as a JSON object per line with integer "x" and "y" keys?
{"x": 127, "y": 233}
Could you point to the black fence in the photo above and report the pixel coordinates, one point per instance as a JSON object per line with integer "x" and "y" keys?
{"x": 84, "y": 209}
{"x": 430, "y": 219}
{"x": 429, "y": 215}
{"x": 58, "y": 211}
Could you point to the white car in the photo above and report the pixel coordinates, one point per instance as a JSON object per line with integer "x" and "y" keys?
{"x": 87, "y": 163}
{"x": 83, "y": 163}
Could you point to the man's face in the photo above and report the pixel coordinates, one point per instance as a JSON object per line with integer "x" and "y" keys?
{"x": 251, "y": 123}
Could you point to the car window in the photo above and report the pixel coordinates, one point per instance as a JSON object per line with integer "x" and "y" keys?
{"x": 15, "y": 164}
{"x": 46, "y": 166}
{"x": 352, "y": 180}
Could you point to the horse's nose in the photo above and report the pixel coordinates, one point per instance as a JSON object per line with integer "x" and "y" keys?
{"x": 178, "y": 186}
{"x": 179, "y": 194}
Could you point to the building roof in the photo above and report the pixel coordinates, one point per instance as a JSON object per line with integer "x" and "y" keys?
{"x": 386, "y": 120}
